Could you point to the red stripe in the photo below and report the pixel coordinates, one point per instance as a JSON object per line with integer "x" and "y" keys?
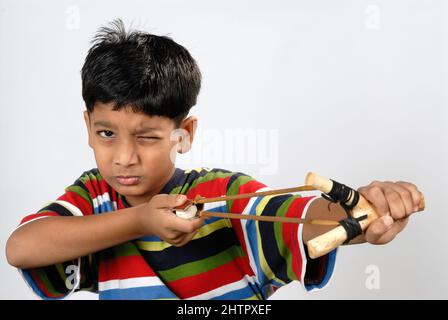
{"x": 42, "y": 286}
{"x": 97, "y": 187}
{"x": 120, "y": 204}
{"x": 249, "y": 187}
{"x": 238, "y": 207}
{"x": 78, "y": 201}
{"x": 210, "y": 280}
{"x": 124, "y": 268}
{"x": 114, "y": 196}
{"x": 104, "y": 186}
{"x": 207, "y": 189}
{"x": 290, "y": 233}
{"x": 91, "y": 187}
{"x": 38, "y": 215}
{"x": 236, "y": 224}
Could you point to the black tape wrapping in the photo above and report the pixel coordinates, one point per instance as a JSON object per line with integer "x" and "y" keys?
{"x": 342, "y": 194}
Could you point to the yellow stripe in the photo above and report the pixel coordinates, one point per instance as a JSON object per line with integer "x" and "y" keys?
{"x": 152, "y": 245}
{"x": 264, "y": 265}
{"x": 198, "y": 170}
{"x": 204, "y": 231}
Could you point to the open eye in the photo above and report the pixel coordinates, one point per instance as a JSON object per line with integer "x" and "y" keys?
{"x": 105, "y": 134}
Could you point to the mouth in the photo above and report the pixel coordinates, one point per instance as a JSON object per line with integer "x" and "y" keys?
{"x": 128, "y": 180}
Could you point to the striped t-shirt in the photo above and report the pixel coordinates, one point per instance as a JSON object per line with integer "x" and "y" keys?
{"x": 226, "y": 259}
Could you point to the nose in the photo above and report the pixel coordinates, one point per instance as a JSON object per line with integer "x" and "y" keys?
{"x": 126, "y": 154}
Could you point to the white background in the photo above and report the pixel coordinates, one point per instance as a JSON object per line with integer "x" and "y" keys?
{"x": 353, "y": 90}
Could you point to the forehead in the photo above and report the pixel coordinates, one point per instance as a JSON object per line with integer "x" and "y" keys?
{"x": 103, "y": 115}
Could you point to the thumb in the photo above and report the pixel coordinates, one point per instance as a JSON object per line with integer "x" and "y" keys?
{"x": 171, "y": 200}
{"x": 378, "y": 228}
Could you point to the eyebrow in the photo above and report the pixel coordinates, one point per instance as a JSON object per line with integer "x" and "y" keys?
{"x": 145, "y": 130}
{"x": 136, "y": 131}
{"x": 103, "y": 124}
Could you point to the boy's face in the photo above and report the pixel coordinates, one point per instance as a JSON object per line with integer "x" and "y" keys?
{"x": 134, "y": 152}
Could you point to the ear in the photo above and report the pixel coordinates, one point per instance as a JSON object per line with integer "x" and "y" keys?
{"x": 89, "y": 131}
{"x": 189, "y": 125}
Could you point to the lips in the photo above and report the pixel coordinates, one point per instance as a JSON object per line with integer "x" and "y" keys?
{"x": 128, "y": 180}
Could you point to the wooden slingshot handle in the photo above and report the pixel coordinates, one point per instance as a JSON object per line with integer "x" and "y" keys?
{"x": 332, "y": 239}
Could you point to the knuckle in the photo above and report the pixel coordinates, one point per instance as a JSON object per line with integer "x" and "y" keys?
{"x": 375, "y": 183}
{"x": 409, "y": 186}
{"x": 362, "y": 189}
{"x": 374, "y": 191}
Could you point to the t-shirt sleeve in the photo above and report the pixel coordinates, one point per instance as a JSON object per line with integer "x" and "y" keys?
{"x": 62, "y": 279}
{"x": 276, "y": 251}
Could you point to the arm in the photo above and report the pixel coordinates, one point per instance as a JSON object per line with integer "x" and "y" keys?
{"x": 64, "y": 238}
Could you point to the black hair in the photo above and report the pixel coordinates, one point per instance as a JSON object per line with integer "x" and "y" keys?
{"x": 152, "y": 74}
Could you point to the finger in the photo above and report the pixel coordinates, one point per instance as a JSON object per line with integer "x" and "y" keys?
{"x": 170, "y": 235}
{"x": 185, "y": 239}
{"x": 406, "y": 196}
{"x": 169, "y": 200}
{"x": 416, "y": 194}
{"x": 374, "y": 194}
{"x": 186, "y": 225}
{"x": 378, "y": 228}
{"x": 389, "y": 235}
{"x": 396, "y": 206}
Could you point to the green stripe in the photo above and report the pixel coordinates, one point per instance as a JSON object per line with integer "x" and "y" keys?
{"x": 201, "y": 266}
{"x": 126, "y": 249}
{"x": 233, "y": 189}
{"x": 177, "y": 190}
{"x": 208, "y": 176}
{"x": 47, "y": 283}
{"x": 81, "y": 192}
{"x": 61, "y": 270}
{"x": 91, "y": 177}
{"x": 184, "y": 189}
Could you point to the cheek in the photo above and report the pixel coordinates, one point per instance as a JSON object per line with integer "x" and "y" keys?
{"x": 159, "y": 156}
{"x": 102, "y": 156}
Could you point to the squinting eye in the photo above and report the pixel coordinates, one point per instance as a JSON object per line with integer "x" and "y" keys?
{"x": 150, "y": 138}
{"x": 105, "y": 133}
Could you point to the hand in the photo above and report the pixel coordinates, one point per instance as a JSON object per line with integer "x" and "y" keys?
{"x": 394, "y": 203}
{"x": 157, "y": 218}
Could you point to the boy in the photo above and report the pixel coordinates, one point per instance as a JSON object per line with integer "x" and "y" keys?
{"x": 113, "y": 230}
